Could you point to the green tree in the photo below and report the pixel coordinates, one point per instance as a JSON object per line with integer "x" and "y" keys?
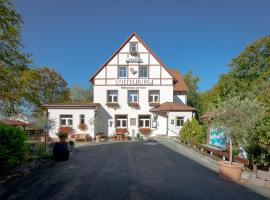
{"x": 192, "y": 131}
{"x": 48, "y": 87}
{"x": 79, "y": 94}
{"x": 193, "y": 96}
{"x": 238, "y": 118}
{"x": 12, "y": 61}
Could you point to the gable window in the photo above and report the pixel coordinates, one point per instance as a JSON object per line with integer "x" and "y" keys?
{"x": 82, "y": 119}
{"x": 121, "y": 121}
{"x": 133, "y": 96}
{"x": 112, "y": 96}
{"x": 144, "y": 121}
{"x": 133, "y": 47}
{"x": 66, "y": 120}
{"x": 143, "y": 71}
{"x": 179, "y": 121}
{"x": 122, "y": 72}
{"x": 154, "y": 96}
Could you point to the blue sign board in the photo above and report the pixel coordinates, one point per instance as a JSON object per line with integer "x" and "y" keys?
{"x": 217, "y": 137}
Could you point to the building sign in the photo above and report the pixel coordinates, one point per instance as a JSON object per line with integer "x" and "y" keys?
{"x": 133, "y": 81}
{"x": 217, "y": 138}
{"x": 134, "y": 59}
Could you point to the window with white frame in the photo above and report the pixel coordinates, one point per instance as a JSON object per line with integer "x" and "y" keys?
{"x": 154, "y": 96}
{"x": 179, "y": 121}
{"x": 112, "y": 96}
{"x": 143, "y": 71}
{"x": 82, "y": 119}
{"x": 122, "y": 71}
{"x": 133, "y": 96}
{"x": 133, "y": 47}
{"x": 144, "y": 121}
{"x": 121, "y": 121}
{"x": 66, "y": 120}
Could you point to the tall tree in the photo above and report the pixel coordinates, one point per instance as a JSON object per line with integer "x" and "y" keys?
{"x": 45, "y": 85}
{"x": 193, "y": 96}
{"x": 79, "y": 94}
{"x": 12, "y": 61}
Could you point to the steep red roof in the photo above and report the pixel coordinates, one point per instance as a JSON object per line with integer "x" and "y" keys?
{"x": 179, "y": 84}
{"x": 13, "y": 122}
{"x": 171, "y": 106}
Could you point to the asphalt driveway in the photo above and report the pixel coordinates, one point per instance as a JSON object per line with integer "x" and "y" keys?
{"x": 133, "y": 170}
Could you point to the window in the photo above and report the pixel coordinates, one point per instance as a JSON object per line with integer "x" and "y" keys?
{"x": 66, "y": 120}
{"x": 133, "y": 47}
{"x": 82, "y": 119}
{"x": 121, "y": 121}
{"x": 154, "y": 96}
{"x": 133, "y": 96}
{"x": 179, "y": 121}
{"x": 143, "y": 72}
{"x": 144, "y": 121}
{"x": 132, "y": 122}
{"x": 112, "y": 96}
{"x": 122, "y": 71}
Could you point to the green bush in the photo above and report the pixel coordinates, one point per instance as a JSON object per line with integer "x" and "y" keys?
{"x": 192, "y": 131}
{"x": 12, "y": 147}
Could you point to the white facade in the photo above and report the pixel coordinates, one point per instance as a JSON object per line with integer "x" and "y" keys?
{"x": 72, "y": 115}
{"x": 109, "y": 78}
{"x": 131, "y": 83}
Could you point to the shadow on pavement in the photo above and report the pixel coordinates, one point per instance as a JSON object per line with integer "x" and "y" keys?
{"x": 126, "y": 170}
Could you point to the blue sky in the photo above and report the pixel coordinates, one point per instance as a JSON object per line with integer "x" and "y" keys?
{"x": 76, "y": 36}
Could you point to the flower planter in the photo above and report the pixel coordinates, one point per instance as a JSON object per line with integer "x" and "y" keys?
{"x": 82, "y": 127}
{"x": 60, "y": 151}
{"x": 113, "y": 105}
{"x": 98, "y": 138}
{"x": 134, "y": 105}
{"x": 154, "y": 104}
{"x": 230, "y": 172}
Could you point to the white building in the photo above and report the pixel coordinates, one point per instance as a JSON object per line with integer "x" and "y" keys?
{"x": 133, "y": 89}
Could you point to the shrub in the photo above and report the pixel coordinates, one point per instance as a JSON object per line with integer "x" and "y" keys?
{"x": 192, "y": 131}
{"x": 12, "y": 147}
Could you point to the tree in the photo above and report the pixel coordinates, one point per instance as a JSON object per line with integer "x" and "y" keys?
{"x": 10, "y": 38}
{"x": 238, "y": 119}
{"x": 12, "y": 61}
{"x": 193, "y": 96}
{"x": 48, "y": 87}
{"x": 192, "y": 131}
{"x": 79, "y": 94}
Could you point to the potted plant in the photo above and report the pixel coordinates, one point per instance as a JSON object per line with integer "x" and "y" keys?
{"x": 62, "y": 136}
{"x": 65, "y": 129}
{"x": 145, "y": 131}
{"x": 134, "y": 104}
{"x": 82, "y": 127}
{"x": 113, "y": 105}
{"x": 98, "y": 136}
{"x": 238, "y": 119}
{"x": 71, "y": 145}
{"x": 153, "y": 104}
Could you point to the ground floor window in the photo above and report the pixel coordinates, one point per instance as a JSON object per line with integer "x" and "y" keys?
{"x": 82, "y": 119}
{"x": 179, "y": 121}
{"x": 144, "y": 121}
{"x": 121, "y": 121}
{"x": 66, "y": 120}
